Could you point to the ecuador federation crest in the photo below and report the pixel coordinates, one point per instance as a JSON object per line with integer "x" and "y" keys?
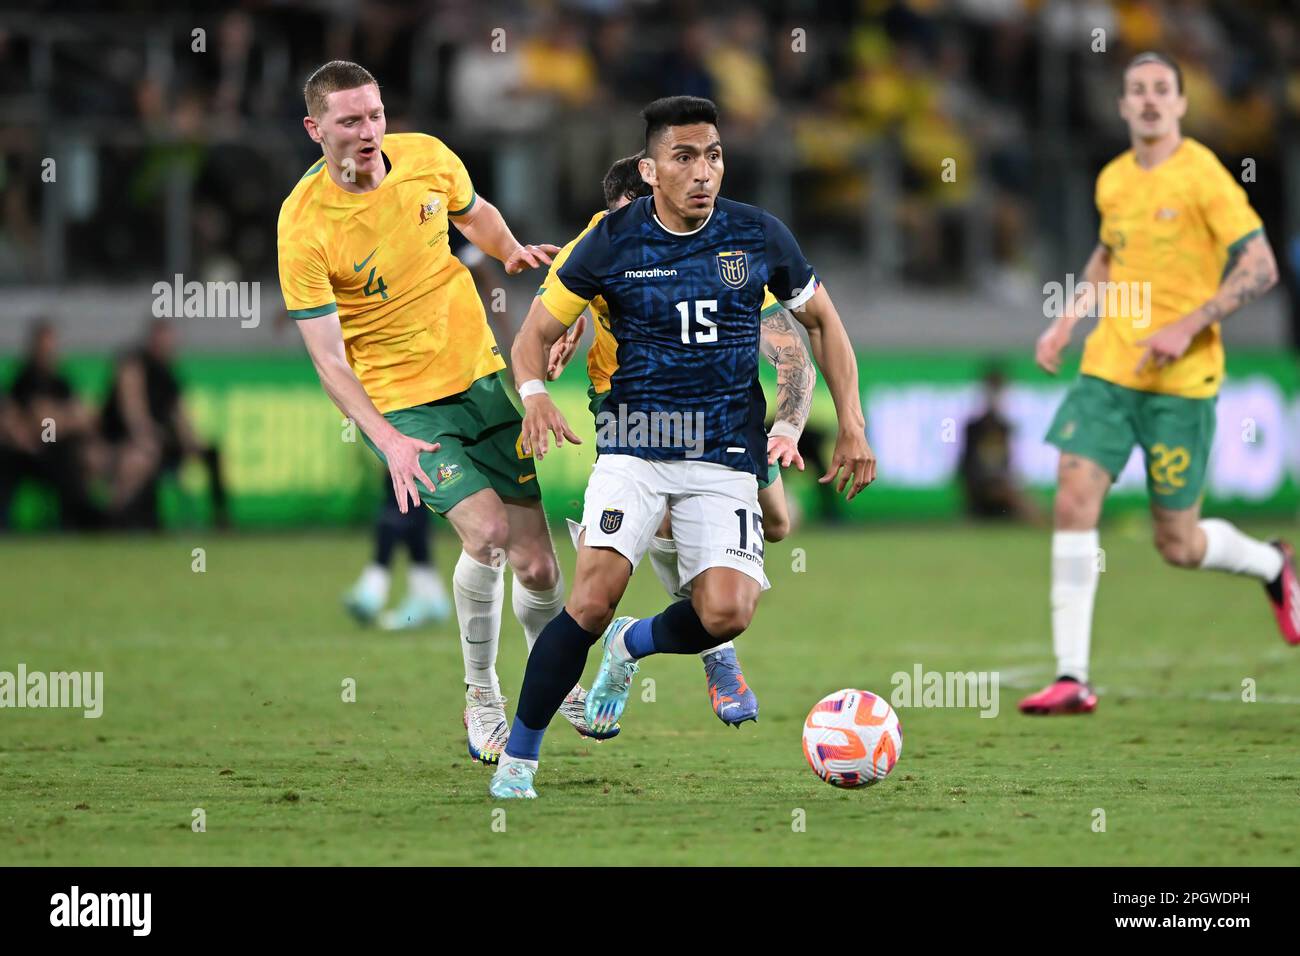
{"x": 733, "y": 268}
{"x": 611, "y": 519}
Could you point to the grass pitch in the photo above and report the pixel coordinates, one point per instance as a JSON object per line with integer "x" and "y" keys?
{"x": 223, "y": 692}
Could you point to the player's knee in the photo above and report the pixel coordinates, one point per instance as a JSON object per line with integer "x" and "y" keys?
{"x": 593, "y": 611}
{"x": 1072, "y": 511}
{"x": 726, "y": 616}
{"x": 538, "y": 572}
{"x": 486, "y": 541}
{"x": 1176, "y": 548}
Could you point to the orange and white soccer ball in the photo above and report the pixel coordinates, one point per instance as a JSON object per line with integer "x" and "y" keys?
{"x": 852, "y": 738}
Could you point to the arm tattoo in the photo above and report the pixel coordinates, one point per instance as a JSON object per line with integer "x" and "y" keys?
{"x": 1248, "y": 275}
{"x": 781, "y": 345}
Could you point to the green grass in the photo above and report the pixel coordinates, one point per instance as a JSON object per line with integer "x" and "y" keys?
{"x": 223, "y": 692}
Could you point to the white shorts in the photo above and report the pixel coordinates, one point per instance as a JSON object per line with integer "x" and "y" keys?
{"x": 717, "y": 522}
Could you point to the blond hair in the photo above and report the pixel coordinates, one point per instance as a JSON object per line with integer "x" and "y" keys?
{"x": 333, "y": 76}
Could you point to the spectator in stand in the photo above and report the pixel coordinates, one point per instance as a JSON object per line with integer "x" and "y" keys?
{"x": 46, "y": 434}
{"x": 145, "y": 423}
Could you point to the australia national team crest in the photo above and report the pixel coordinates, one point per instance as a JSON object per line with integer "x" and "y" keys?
{"x": 733, "y": 268}
{"x": 429, "y": 208}
{"x": 611, "y": 519}
{"x": 447, "y": 473}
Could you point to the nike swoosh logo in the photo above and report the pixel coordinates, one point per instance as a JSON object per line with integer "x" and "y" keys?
{"x": 358, "y": 268}
{"x": 527, "y": 478}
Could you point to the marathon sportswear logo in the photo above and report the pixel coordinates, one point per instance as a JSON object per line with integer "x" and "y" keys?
{"x": 623, "y": 429}
{"x": 79, "y": 690}
{"x": 655, "y": 273}
{"x": 611, "y": 519}
{"x": 103, "y": 909}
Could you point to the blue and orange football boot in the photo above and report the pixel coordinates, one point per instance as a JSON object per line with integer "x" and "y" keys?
{"x": 732, "y": 700}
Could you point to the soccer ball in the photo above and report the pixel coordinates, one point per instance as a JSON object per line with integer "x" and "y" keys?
{"x": 852, "y": 738}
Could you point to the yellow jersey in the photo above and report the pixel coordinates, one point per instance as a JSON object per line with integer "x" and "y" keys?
{"x": 602, "y": 357}
{"x": 413, "y": 325}
{"x": 1170, "y": 231}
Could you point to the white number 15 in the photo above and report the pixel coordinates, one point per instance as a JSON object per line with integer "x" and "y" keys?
{"x": 709, "y": 332}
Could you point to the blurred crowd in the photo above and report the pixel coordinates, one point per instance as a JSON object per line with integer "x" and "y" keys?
{"x": 840, "y": 104}
{"x": 103, "y": 465}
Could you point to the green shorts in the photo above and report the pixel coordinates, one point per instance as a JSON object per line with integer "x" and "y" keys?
{"x": 479, "y": 432}
{"x": 1102, "y": 421}
{"x": 596, "y": 399}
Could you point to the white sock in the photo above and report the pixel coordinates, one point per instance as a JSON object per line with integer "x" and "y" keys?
{"x": 506, "y": 758}
{"x": 1227, "y": 549}
{"x": 423, "y": 582}
{"x": 479, "y": 591}
{"x": 663, "y": 558}
{"x": 375, "y": 580}
{"x": 713, "y": 650}
{"x": 1074, "y": 586}
{"x": 536, "y": 609}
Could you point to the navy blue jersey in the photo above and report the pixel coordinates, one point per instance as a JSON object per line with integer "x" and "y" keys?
{"x": 684, "y": 310}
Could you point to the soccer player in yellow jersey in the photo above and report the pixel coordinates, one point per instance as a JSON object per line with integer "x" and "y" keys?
{"x": 732, "y": 699}
{"x": 1180, "y": 250}
{"x": 400, "y": 341}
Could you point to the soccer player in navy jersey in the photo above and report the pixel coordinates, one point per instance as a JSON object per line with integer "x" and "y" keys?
{"x": 682, "y": 274}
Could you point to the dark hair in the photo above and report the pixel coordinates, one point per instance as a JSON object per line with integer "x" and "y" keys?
{"x": 677, "y": 111}
{"x": 624, "y": 180}
{"x": 333, "y": 76}
{"x": 1151, "y": 56}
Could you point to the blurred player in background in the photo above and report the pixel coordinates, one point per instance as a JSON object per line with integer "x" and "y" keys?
{"x": 682, "y": 274}
{"x": 729, "y": 693}
{"x": 1174, "y": 222}
{"x": 401, "y": 344}
{"x": 987, "y": 478}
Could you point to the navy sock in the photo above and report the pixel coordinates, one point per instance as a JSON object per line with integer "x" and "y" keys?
{"x": 675, "y": 630}
{"x": 554, "y": 666}
{"x": 415, "y": 531}
{"x": 386, "y": 538}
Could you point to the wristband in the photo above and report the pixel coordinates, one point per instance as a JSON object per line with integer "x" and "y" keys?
{"x": 534, "y": 386}
{"x": 784, "y": 430}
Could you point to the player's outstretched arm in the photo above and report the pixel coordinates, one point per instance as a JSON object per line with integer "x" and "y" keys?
{"x": 484, "y": 226}
{"x": 782, "y": 345}
{"x": 1251, "y": 271}
{"x": 1050, "y": 345}
{"x": 854, "y": 463}
{"x": 324, "y": 338}
{"x": 529, "y": 357}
